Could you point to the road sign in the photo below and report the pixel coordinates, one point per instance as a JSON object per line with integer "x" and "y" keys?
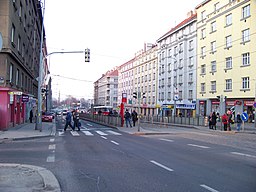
{"x": 176, "y": 97}
{"x": 254, "y": 104}
{"x": 244, "y": 116}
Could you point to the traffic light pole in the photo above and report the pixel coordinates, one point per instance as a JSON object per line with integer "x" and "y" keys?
{"x": 38, "y": 125}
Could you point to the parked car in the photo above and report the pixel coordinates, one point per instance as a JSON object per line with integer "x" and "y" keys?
{"x": 47, "y": 117}
{"x": 64, "y": 112}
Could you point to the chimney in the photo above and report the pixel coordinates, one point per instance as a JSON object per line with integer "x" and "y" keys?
{"x": 189, "y": 14}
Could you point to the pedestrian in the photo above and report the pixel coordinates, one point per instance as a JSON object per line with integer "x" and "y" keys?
{"x": 225, "y": 121}
{"x": 68, "y": 121}
{"x": 210, "y": 121}
{"x": 31, "y": 116}
{"x": 76, "y": 120}
{"x": 134, "y": 117}
{"x": 238, "y": 121}
{"x": 230, "y": 121}
{"x": 127, "y": 117}
{"x": 214, "y": 120}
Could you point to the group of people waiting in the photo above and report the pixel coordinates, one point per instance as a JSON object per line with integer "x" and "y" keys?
{"x": 130, "y": 116}
{"x": 227, "y": 120}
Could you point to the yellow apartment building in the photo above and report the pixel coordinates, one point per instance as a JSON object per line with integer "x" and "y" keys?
{"x": 226, "y": 33}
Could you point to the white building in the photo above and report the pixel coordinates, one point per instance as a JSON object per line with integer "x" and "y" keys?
{"x": 177, "y": 68}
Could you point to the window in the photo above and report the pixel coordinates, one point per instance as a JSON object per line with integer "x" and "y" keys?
{"x": 245, "y": 35}
{"x": 228, "y": 84}
{"x": 202, "y": 87}
{"x": 203, "y": 51}
{"x": 228, "y": 41}
{"x": 246, "y": 59}
{"x": 203, "y": 69}
{"x": 246, "y": 11}
{"x": 17, "y": 76}
{"x": 180, "y": 79}
{"x": 190, "y": 94}
{"x": 190, "y": 77}
{"x": 12, "y": 33}
{"x": 191, "y": 61}
{"x": 228, "y": 62}
{"x": 203, "y": 33}
{"x": 213, "y": 86}
{"x": 213, "y": 26}
{"x": 191, "y": 45}
{"x": 22, "y": 80}
{"x": 228, "y": 19}
{"x": 19, "y": 42}
{"x": 216, "y": 6}
{"x": 213, "y": 46}
{"x": 11, "y": 72}
{"x": 203, "y": 15}
{"x": 245, "y": 83}
{"x": 213, "y": 66}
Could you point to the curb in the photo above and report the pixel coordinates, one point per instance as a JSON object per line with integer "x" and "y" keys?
{"x": 50, "y": 181}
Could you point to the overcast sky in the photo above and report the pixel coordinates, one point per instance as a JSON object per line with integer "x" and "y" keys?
{"x": 112, "y": 29}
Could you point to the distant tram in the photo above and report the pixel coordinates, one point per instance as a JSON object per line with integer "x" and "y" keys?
{"x": 104, "y": 110}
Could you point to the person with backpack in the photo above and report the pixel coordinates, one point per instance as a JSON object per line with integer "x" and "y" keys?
{"x": 127, "y": 117}
{"x": 68, "y": 122}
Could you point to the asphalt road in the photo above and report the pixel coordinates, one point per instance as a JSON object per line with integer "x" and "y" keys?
{"x": 102, "y": 159}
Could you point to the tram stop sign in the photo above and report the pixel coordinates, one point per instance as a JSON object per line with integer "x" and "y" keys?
{"x": 244, "y": 116}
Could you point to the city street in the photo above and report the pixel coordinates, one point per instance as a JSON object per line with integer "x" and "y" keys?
{"x": 100, "y": 158}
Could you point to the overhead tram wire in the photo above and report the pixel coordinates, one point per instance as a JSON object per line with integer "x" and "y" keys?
{"x": 71, "y": 78}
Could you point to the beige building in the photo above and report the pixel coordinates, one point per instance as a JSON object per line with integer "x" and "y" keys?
{"x": 139, "y": 77}
{"x": 226, "y": 56}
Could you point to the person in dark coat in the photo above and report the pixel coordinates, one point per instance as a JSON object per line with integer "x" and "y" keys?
{"x": 134, "y": 117}
{"x": 210, "y": 121}
{"x": 76, "y": 120}
{"x": 127, "y": 117}
{"x": 214, "y": 120}
{"x": 238, "y": 121}
{"x": 68, "y": 121}
{"x": 31, "y": 116}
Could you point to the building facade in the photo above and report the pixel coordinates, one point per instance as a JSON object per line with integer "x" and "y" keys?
{"x": 106, "y": 89}
{"x": 177, "y": 64}
{"x": 226, "y": 33}
{"x": 21, "y": 28}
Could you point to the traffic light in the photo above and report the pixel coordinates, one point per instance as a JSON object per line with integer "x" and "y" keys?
{"x": 87, "y": 55}
{"x": 143, "y": 95}
{"x": 134, "y": 95}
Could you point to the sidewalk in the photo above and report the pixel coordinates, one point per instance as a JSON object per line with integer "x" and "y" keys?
{"x": 27, "y": 178}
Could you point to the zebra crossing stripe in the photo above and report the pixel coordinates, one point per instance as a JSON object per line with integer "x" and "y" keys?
{"x": 114, "y": 133}
{"x": 101, "y": 133}
{"x": 88, "y": 133}
{"x": 74, "y": 133}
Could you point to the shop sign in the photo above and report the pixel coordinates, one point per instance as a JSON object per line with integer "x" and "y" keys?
{"x": 201, "y": 102}
{"x": 248, "y": 103}
{"x": 238, "y": 102}
{"x": 25, "y": 98}
{"x": 184, "y": 106}
{"x": 15, "y": 93}
{"x": 124, "y": 97}
{"x": 215, "y": 102}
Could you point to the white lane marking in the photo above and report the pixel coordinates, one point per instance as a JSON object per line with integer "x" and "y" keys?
{"x": 83, "y": 128}
{"x": 114, "y": 133}
{"x": 88, "y": 133}
{"x": 50, "y": 158}
{"x": 115, "y": 142}
{"x": 160, "y": 165}
{"x": 208, "y": 188}
{"x": 52, "y": 140}
{"x": 52, "y": 147}
{"x": 61, "y": 133}
{"x": 243, "y": 154}
{"x": 169, "y": 140}
{"x": 74, "y": 133}
{"x": 103, "y": 137}
{"x": 101, "y": 133}
{"x": 200, "y": 146}
{"x": 89, "y": 124}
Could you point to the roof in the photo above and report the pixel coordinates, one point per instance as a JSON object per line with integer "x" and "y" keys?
{"x": 192, "y": 17}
